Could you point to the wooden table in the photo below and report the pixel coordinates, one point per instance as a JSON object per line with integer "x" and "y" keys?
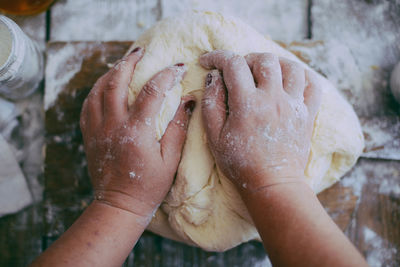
{"x": 364, "y": 31}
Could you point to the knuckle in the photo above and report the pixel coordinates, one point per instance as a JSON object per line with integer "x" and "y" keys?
{"x": 292, "y": 66}
{"x": 311, "y": 76}
{"x": 268, "y": 57}
{"x": 151, "y": 89}
{"x": 236, "y": 58}
{"x": 91, "y": 105}
{"x": 250, "y": 56}
{"x": 101, "y": 80}
{"x": 120, "y": 66}
{"x": 92, "y": 92}
{"x": 221, "y": 53}
{"x": 92, "y": 101}
{"x": 110, "y": 127}
{"x": 112, "y": 85}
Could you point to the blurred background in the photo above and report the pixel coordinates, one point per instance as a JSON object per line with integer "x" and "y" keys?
{"x": 355, "y": 44}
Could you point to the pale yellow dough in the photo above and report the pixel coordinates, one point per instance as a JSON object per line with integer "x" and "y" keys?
{"x": 203, "y": 208}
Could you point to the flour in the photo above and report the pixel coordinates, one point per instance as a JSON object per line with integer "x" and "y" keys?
{"x": 356, "y": 180}
{"x": 361, "y": 51}
{"x": 132, "y": 175}
{"x": 147, "y": 121}
{"x": 379, "y": 177}
{"x": 266, "y": 133}
{"x": 55, "y": 82}
{"x": 390, "y": 187}
{"x": 382, "y": 137}
{"x": 125, "y": 20}
{"x": 377, "y": 256}
{"x": 282, "y": 20}
{"x": 263, "y": 263}
{"x": 124, "y": 140}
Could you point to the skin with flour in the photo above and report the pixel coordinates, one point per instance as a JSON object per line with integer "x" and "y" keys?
{"x": 294, "y": 227}
{"x": 132, "y": 172}
{"x": 262, "y": 118}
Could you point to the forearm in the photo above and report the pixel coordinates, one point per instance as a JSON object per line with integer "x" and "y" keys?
{"x": 296, "y": 230}
{"x": 102, "y": 236}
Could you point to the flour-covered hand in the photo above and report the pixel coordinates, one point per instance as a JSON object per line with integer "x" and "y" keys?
{"x": 129, "y": 168}
{"x": 259, "y": 117}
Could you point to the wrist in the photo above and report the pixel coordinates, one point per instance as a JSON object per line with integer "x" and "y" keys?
{"x": 117, "y": 213}
{"x": 252, "y": 179}
{"x": 281, "y": 183}
{"x": 122, "y": 201}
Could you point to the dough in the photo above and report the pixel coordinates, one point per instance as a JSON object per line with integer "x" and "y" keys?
{"x": 203, "y": 208}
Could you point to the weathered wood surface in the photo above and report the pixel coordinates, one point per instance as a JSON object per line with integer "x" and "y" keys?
{"x": 67, "y": 186}
{"x": 368, "y": 30}
{"x": 281, "y": 20}
{"x": 374, "y": 228}
{"x": 93, "y": 20}
{"x": 366, "y": 37}
{"x": 104, "y": 20}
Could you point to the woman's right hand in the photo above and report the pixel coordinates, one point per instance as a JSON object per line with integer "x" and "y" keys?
{"x": 259, "y": 116}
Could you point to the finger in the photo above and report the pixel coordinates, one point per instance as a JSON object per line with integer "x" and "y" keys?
{"x": 213, "y": 105}
{"x": 237, "y": 75}
{"x": 116, "y": 91}
{"x": 174, "y": 137}
{"x": 266, "y": 70}
{"x": 149, "y": 101}
{"x": 293, "y": 77}
{"x": 312, "y": 93}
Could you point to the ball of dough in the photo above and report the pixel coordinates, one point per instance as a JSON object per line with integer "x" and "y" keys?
{"x": 395, "y": 82}
{"x": 203, "y": 207}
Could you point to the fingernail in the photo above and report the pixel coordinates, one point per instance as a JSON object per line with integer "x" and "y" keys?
{"x": 180, "y": 64}
{"x": 208, "y": 79}
{"x": 189, "y": 106}
{"x": 136, "y": 50}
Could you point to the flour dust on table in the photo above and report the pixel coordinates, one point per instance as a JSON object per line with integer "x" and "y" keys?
{"x": 203, "y": 208}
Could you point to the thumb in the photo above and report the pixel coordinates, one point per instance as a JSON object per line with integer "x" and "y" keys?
{"x": 175, "y": 134}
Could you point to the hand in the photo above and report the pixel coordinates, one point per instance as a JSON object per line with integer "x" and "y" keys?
{"x": 259, "y": 117}
{"x": 129, "y": 168}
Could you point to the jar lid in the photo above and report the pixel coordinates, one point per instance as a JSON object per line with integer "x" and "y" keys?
{"x": 17, "y": 52}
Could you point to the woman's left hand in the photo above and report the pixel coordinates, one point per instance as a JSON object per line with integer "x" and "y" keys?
{"x": 129, "y": 168}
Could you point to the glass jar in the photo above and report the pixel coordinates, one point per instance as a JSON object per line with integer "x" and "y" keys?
{"x": 21, "y": 62}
